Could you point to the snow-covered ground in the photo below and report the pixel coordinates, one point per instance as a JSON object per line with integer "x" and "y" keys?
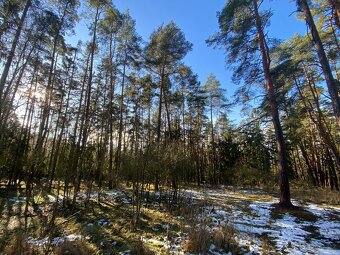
{"x": 53, "y": 241}
{"x": 251, "y": 213}
{"x": 259, "y": 228}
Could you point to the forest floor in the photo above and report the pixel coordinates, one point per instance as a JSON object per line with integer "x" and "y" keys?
{"x": 203, "y": 221}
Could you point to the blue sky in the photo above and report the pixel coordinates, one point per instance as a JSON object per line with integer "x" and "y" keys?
{"x": 197, "y": 19}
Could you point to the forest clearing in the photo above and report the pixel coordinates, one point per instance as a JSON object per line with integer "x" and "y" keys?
{"x": 169, "y": 127}
{"x": 219, "y": 220}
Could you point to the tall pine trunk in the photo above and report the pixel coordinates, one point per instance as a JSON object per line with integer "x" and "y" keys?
{"x": 159, "y": 121}
{"x": 113, "y": 74}
{"x": 121, "y": 124}
{"x": 86, "y": 117}
{"x": 330, "y": 81}
{"x": 12, "y": 51}
{"x": 281, "y": 148}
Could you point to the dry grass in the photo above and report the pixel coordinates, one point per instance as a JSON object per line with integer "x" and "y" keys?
{"x": 304, "y": 192}
{"x": 199, "y": 241}
{"x": 224, "y": 239}
{"x": 317, "y": 196}
{"x": 266, "y": 245}
{"x": 138, "y": 248}
{"x": 219, "y": 238}
{"x": 19, "y": 246}
{"x": 74, "y": 248}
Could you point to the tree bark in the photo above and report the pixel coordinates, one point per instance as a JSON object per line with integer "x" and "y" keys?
{"x": 310, "y": 169}
{"x": 12, "y": 51}
{"x": 330, "y": 81}
{"x": 111, "y": 92}
{"x": 320, "y": 121}
{"x": 281, "y": 148}
{"x": 159, "y": 122}
{"x": 120, "y": 133}
{"x": 86, "y": 119}
{"x": 335, "y": 11}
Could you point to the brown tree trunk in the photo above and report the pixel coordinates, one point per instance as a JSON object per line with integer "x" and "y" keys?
{"x": 330, "y": 81}
{"x": 281, "y": 148}
{"x": 6, "y": 111}
{"x": 111, "y": 92}
{"x": 121, "y": 124}
{"x": 213, "y": 141}
{"x": 167, "y": 114}
{"x": 159, "y": 122}
{"x": 310, "y": 169}
{"x": 320, "y": 121}
{"x": 63, "y": 116}
{"x": 333, "y": 178}
{"x": 335, "y": 11}
{"x": 86, "y": 119}
{"x": 12, "y": 51}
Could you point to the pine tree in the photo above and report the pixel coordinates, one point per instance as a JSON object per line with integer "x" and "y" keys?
{"x": 166, "y": 48}
{"x": 242, "y": 35}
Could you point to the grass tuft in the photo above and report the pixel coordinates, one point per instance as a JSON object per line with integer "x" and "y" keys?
{"x": 139, "y": 248}
{"x": 199, "y": 241}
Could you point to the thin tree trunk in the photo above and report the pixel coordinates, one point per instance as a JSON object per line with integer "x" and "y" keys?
{"x": 74, "y": 151}
{"x": 111, "y": 92}
{"x": 335, "y": 11}
{"x": 320, "y": 122}
{"x": 310, "y": 169}
{"x": 120, "y": 133}
{"x": 4, "y": 115}
{"x": 159, "y": 121}
{"x": 86, "y": 119}
{"x": 55, "y": 156}
{"x": 167, "y": 113}
{"x": 330, "y": 81}
{"x": 12, "y": 51}
{"x": 333, "y": 179}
